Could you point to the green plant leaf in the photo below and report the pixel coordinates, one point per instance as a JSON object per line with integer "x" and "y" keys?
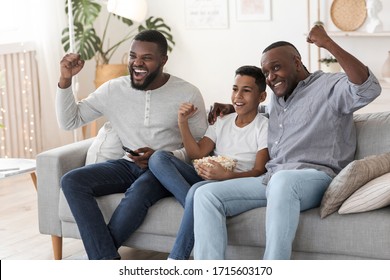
{"x": 158, "y": 24}
{"x": 65, "y": 39}
{"x": 84, "y": 11}
{"x": 126, "y": 21}
{"x": 89, "y": 44}
{"x": 86, "y": 41}
{"x": 328, "y": 60}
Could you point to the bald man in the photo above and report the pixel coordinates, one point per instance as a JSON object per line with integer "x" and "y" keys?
{"x": 311, "y": 137}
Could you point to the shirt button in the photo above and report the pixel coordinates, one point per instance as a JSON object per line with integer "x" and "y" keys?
{"x": 285, "y": 109}
{"x": 276, "y": 142}
{"x": 280, "y": 125}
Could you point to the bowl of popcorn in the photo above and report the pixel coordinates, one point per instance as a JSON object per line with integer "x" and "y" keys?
{"x": 228, "y": 163}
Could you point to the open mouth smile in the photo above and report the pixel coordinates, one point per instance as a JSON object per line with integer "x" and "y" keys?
{"x": 238, "y": 104}
{"x": 278, "y": 84}
{"x": 139, "y": 74}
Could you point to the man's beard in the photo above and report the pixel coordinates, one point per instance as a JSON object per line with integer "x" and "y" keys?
{"x": 148, "y": 80}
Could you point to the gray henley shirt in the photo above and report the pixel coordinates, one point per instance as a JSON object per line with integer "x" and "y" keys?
{"x": 140, "y": 118}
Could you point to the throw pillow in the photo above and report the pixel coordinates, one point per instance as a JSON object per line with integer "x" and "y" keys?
{"x": 105, "y": 146}
{"x": 351, "y": 178}
{"x": 373, "y": 195}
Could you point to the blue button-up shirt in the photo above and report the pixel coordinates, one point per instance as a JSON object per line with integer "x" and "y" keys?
{"x": 314, "y": 127}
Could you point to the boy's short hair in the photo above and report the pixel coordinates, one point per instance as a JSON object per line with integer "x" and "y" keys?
{"x": 254, "y": 72}
{"x": 153, "y": 36}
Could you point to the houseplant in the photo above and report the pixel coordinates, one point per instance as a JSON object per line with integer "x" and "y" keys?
{"x": 330, "y": 64}
{"x": 92, "y": 45}
{"x": 328, "y": 60}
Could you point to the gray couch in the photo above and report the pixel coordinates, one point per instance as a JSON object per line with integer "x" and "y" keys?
{"x": 353, "y": 236}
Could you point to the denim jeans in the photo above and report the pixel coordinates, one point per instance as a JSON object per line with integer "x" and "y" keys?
{"x": 286, "y": 195}
{"x": 178, "y": 177}
{"x": 82, "y": 186}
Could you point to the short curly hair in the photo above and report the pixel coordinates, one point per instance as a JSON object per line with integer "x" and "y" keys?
{"x": 153, "y": 36}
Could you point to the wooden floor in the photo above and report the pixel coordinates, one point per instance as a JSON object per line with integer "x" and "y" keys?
{"x": 19, "y": 234}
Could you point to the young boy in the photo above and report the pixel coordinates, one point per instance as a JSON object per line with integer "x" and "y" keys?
{"x": 241, "y": 136}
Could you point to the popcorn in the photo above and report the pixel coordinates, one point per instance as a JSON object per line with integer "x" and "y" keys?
{"x": 228, "y": 163}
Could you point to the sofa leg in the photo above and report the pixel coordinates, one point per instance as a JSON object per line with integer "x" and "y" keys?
{"x": 57, "y": 246}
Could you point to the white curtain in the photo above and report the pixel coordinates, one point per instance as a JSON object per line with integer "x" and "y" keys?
{"x": 47, "y": 23}
{"x": 19, "y": 102}
{"x": 38, "y": 25}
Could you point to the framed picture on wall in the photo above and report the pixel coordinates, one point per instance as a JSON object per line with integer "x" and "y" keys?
{"x": 252, "y": 10}
{"x": 206, "y": 14}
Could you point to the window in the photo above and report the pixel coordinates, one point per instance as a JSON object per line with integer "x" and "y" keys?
{"x": 15, "y": 21}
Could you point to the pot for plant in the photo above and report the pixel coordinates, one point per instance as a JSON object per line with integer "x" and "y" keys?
{"x": 333, "y": 67}
{"x": 329, "y": 64}
{"x": 105, "y": 72}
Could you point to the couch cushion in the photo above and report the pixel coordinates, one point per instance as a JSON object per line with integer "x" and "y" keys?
{"x": 364, "y": 235}
{"x": 351, "y": 178}
{"x": 106, "y": 203}
{"x": 373, "y": 195}
{"x": 373, "y": 134}
{"x": 334, "y": 237}
{"x": 352, "y": 236}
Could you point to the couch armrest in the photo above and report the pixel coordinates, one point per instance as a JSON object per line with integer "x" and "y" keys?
{"x": 51, "y": 165}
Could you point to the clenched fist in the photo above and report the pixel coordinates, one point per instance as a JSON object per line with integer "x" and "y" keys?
{"x": 70, "y": 65}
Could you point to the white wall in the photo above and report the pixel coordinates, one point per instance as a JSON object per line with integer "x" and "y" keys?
{"x": 209, "y": 57}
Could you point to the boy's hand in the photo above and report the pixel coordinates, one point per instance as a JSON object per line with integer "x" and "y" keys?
{"x": 186, "y": 111}
{"x": 215, "y": 172}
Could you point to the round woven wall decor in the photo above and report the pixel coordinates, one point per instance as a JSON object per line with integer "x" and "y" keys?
{"x": 348, "y": 15}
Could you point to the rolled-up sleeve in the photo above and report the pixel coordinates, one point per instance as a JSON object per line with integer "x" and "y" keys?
{"x": 347, "y": 97}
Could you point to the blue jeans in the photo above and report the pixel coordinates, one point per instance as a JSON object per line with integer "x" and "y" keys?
{"x": 287, "y": 194}
{"x": 178, "y": 177}
{"x": 82, "y": 186}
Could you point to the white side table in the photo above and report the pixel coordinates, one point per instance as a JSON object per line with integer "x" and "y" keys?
{"x": 14, "y": 166}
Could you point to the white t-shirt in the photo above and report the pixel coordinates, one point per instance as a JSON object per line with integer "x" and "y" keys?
{"x": 240, "y": 143}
